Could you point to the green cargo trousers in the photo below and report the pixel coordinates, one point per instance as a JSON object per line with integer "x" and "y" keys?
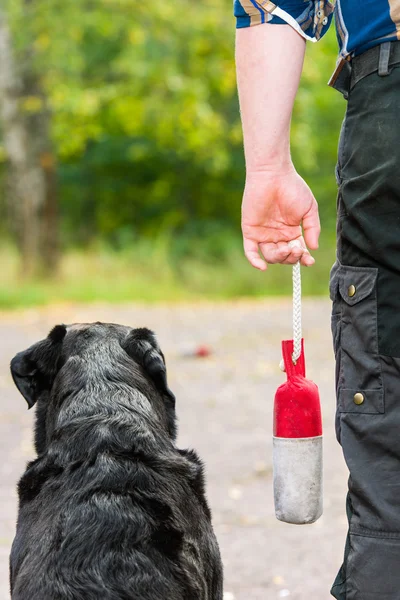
{"x": 365, "y": 291}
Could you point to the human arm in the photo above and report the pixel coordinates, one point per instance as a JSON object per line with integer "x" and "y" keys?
{"x": 276, "y": 201}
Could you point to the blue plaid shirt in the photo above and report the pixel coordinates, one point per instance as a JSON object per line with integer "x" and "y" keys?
{"x": 360, "y": 24}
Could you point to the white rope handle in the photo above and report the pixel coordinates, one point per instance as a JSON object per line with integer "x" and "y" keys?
{"x": 297, "y": 329}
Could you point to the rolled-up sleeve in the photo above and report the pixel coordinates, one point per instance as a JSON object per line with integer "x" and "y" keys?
{"x": 311, "y": 18}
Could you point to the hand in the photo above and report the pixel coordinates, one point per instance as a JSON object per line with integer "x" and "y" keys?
{"x": 276, "y": 204}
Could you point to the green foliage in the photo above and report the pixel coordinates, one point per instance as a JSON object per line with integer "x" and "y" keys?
{"x": 146, "y": 120}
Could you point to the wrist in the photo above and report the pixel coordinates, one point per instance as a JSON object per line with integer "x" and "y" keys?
{"x": 274, "y": 165}
{"x": 270, "y": 153}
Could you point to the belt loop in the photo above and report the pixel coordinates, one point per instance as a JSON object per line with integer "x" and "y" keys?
{"x": 384, "y": 56}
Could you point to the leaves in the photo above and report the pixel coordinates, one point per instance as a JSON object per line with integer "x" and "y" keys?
{"x": 145, "y": 113}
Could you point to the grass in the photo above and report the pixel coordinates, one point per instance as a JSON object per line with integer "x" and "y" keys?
{"x": 158, "y": 271}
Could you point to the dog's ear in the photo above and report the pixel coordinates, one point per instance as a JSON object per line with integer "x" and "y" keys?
{"x": 142, "y": 346}
{"x": 34, "y": 369}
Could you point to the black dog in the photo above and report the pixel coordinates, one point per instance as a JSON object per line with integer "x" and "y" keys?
{"x": 110, "y": 509}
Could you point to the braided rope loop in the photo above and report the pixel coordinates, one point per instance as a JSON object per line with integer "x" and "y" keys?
{"x": 297, "y": 329}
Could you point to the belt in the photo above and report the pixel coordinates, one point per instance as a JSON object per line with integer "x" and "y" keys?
{"x": 379, "y": 59}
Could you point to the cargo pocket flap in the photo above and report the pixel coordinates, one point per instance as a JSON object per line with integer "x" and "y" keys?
{"x": 361, "y": 401}
{"x": 356, "y": 283}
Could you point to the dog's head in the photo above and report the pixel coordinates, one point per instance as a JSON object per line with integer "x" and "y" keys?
{"x": 92, "y": 352}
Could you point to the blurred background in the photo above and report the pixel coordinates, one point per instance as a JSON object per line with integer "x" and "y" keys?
{"x": 121, "y": 154}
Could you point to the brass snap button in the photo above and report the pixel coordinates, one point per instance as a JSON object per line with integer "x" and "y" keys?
{"x": 358, "y": 398}
{"x": 351, "y": 290}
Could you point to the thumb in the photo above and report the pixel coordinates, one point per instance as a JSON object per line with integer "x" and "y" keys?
{"x": 312, "y": 226}
{"x": 252, "y": 254}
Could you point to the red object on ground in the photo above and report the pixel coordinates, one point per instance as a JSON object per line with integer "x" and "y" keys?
{"x": 297, "y": 410}
{"x": 202, "y": 351}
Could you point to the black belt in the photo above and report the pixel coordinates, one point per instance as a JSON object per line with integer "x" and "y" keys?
{"x": 379, "y": 59}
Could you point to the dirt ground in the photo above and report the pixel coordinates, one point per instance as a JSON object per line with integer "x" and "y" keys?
{"x": 224, "y": 403}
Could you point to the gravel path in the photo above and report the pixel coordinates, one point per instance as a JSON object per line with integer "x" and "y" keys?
{"x": 224, "y": 404}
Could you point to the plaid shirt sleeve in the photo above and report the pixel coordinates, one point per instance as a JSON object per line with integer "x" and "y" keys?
{"x": 311, "y": 18}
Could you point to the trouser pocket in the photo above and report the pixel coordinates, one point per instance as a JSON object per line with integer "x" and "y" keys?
{"x": 355, "y": 338}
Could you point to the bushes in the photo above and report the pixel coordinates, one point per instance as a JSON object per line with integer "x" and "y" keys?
{"x": 145, "y": 114}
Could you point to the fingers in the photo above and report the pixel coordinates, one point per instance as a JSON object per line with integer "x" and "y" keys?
{"x": 285, "y": 253}
{"x": 275, "y": 253}
{"x": 252, "y": 254}
{"x": 307, "y": 260}
{"x": 312, "y": 227}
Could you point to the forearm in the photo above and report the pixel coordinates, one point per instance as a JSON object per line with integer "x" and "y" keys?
{"x": 269, "y": 60}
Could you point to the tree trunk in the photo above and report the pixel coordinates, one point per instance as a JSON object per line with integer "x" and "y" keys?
{"x": 31, "y": 162}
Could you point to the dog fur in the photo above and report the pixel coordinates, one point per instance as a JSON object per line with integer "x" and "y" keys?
{"x": 110, "y": 509}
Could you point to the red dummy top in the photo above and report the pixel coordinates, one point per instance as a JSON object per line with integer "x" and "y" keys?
{"x": 297, "y": 410}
